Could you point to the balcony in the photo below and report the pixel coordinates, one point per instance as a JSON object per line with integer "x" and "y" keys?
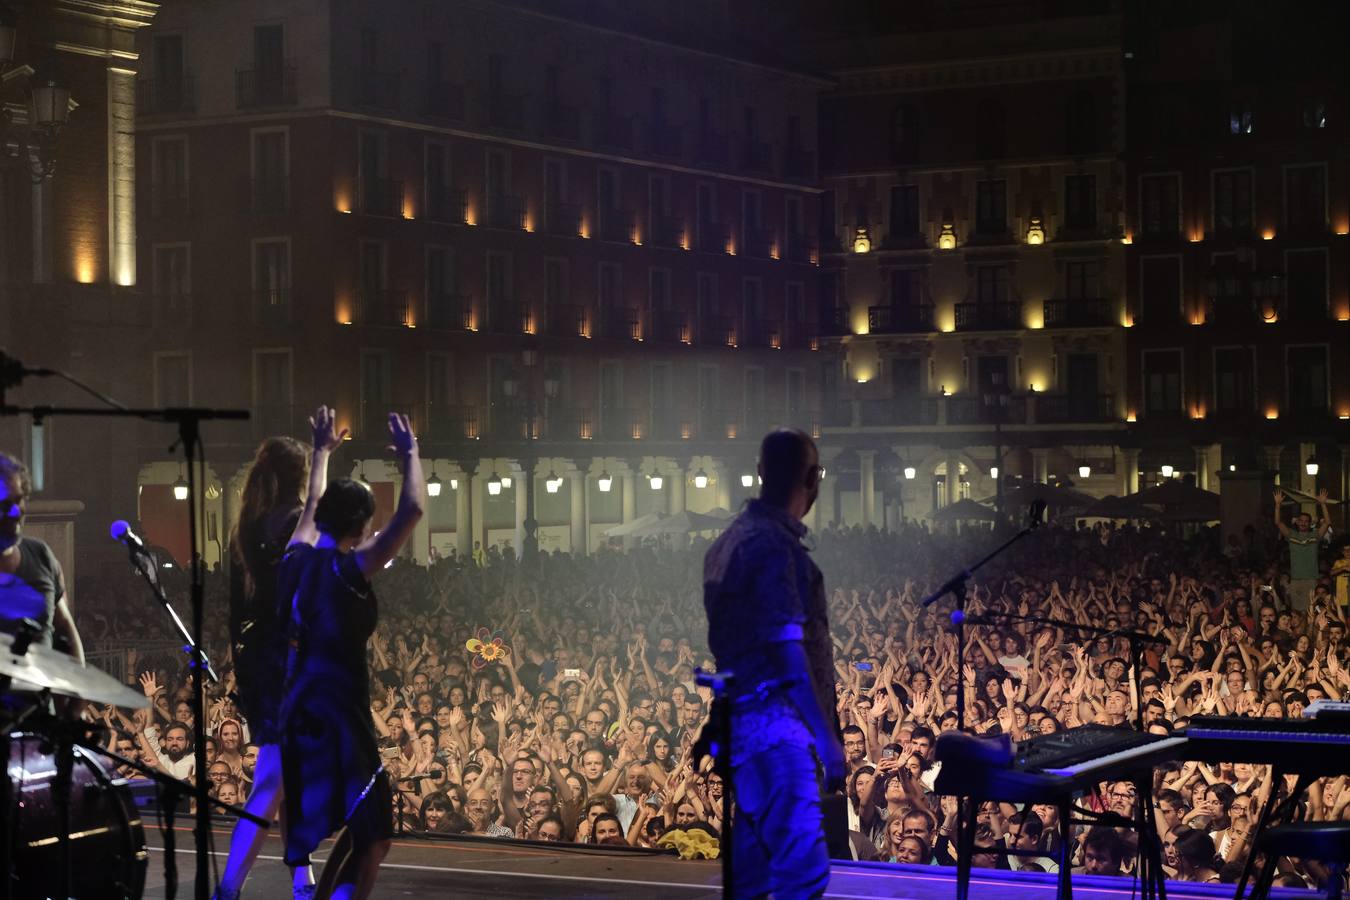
{"x": 167, "y": 96}
{"x": 618, "y": 423}
{"x": 271, "y": 419}
{"x": 756, "y": 156}
{"x": 798, "y": 336}
{"x": 443, "y": 100}
{"x": 616, "y": 225}
{"x": 566, "y": 423}
{"x": 664, "y": 423}
{"x": 760, "y": 333}
{"x": 446, "y": 204}
{"x": 566, "y": 320}
{"x": 620, "y": 325}
{"x": 381, "y": 197}
{"x": 450, "y": 312}
{"x": 505, "y": 111}
{"x": 373, "y": 89}
{"x": 507, "y": 420}
{"x": 169, "y": 201}
{"x": 711, "y": 148}
{"x": 505, "y": 211}
{"x": 717, "y": 331}
{"x": 451, "y": 422}
{"x": 713, "y": 237}
{"x": 834, "y": 320}
{"x": 1084, "y": 408}
{"x": 563, "y": 219}
{"x": 668, "y": 327}
{"x": 173, "y": 310}
{"x": 1003, "y": 409}
{"x": 666, "y": 231}
{"x": 1002, "y": 316}
{"x": 255, "y": 88}
{"x": 894, "y": 411}
{"x": 798, "y": 247}
{"x": 271, "y": 307}
{"x": 383, "y": 307}
{"x": 799, "y": 164}
{"x": 507, "y": 317}
{"x": 757, "y": 242}
{"x": 562, "y": 122}
{"x": 612, "y": 132}
{"x": 664, "y": 139}
{"x": 373, "y": 419}
{"x": 268, "y": 196}
{"x": 1077, "y": 313}
{"x": 900, "y": 319}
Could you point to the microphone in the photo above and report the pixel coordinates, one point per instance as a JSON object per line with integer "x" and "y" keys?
{"x": 413, "y": 779}
{"x": 13, "y": 371}
{"x": 121, "y": 531}
{"x": 1036, "y": 515}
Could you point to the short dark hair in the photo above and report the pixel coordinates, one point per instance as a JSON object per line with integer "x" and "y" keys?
{"x": 345, "y": 508}
{"x": 1105, "y": 838}
{"x": 785, "y": 458}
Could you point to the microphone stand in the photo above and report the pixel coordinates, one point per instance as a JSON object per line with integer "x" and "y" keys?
{"x": 1137, "y": 641}
{"x": 957, "y": 587}
{"x": 144, "y": 564}
{"x": 188, "y": 420}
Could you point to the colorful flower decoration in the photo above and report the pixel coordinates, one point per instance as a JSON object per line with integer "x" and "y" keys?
{"x": 487, "y": 648}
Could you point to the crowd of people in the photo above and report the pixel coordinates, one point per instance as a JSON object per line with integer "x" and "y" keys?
{"x": 555, "y": 700}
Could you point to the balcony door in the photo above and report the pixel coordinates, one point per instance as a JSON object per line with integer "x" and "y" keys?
{"x": 1082, "y": 371}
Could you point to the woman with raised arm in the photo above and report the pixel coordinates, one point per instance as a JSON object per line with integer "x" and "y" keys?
{"x": 283, "y": 474}
{"x": 331, "y": 763}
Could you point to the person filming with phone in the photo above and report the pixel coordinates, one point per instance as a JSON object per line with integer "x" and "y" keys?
{"x": 768, "y": 623}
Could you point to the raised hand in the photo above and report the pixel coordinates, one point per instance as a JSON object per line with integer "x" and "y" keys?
{"x": 149, "y": 686}
{"x": 323, "y": 430}
{"x": 401, "y": 438}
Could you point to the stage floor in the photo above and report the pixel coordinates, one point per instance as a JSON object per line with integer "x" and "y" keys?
{"x": 474, "y": 868}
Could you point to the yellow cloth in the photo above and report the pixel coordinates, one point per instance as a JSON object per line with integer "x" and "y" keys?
{"x": 1340, "y": 577}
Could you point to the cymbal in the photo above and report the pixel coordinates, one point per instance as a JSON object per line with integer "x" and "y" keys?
{"x": 43, "y": 668}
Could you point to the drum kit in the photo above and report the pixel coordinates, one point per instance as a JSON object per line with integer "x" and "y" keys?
{"x": 69, "y": 825}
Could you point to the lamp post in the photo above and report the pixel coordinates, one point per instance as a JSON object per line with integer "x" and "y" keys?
{"x": 529, "y": 358}
{"x": 32, "y": 139}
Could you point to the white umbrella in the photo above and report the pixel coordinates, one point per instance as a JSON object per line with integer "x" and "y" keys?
{"x": 633, "y": 528}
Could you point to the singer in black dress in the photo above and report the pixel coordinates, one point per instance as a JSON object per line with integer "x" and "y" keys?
{"x": 330, "y": 759}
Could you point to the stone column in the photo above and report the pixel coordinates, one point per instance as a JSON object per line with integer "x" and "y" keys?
{"x": 1040, "y": 464}
{"x": 1273, "y": 452}
{"x": 1202, "y": 468}
{"x": 726, "y": 478}
{"x": 1308, "y": 483}
{"x": 576, "y": 487}
{"x": 828, "y": 498}
{"x": 630, "y": 479}
{"x": 1127, "y": 467}
{"x": 463, "y": 515}
{"x": 520, "y": 477}
{"x": 121, "y": 176}
{"x": 478, "y": 507}
{"x": 678, "y": 476}
{"x": 867, "y": 486}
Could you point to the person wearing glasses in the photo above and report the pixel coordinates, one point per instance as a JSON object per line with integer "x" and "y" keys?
{"x": 768, "y": 622}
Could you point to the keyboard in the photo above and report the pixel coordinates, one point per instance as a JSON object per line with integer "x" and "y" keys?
{"x": 1083, "y": 750}
{"x": 1292, "y": 744}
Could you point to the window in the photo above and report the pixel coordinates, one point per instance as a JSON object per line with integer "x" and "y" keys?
{"x": 752, "y": 305}
{"x": 658, "y": 290}
{"x": 173, "y": 273}
{"x": 754, "y": 395}
{"x": 368, "y": 50}
{"x": 709, "y": 379}
{"x": 272, "y": 396}
{"x": 906, "y": 287}
{"x": 793, "y": 219}
{"x": 169, "y": 175}
{"x": 169, "y": 68}
{"x": 1160, "y": 288}
{"x": 269, "y": 56}
{"x": 1162, "y": 382}
{"x": 611, "y": 388}
{"x": 662, "y": 397}
{"x": 272, "y": 279}
{"x": 1082, "y": 280}
{"x": 1081, "y": 124}
{"x": 752, "y": 220}
{"x": 1314, "y": 113}
{"x": 1233, "y": 201}
{"x": 1306, "y": 284}
{"x": 440, "y": 205}
{"x": 829, "y": 225}
{"x": 658, "y": 202}
{"x": 271, "y": 169}
{"x": 1305, "y": 196}
{"x": 375, "y": 189}
{"x": 1160, "y": 205}
{"x": 1080, "y": 201}
{"x": 795, "y": 383}
{"x": 795, "y": 302}
{"x": 991, "y": 207}
{"x": 904, "y": 134}
{"x": 555, "y": 196}
{"x": 1240, "y": 117}
{"x": 435, "y": 62}
{"x": 499, "y": 300}
{"x": 440, "y": 383}
{"x": 610, "y": 275}
{"x": 173, "y": 379}
{"x": 1234, "y": 380}
{"x": 442, "y": 305}
{"x": 555, "y": 283}
{"x": 1307, "y": 379}
{"x": 707, "y": 297}
{"x": 904, "y": 210}
{"x": 992, "y": 284}
{"x": 375, "y": 395}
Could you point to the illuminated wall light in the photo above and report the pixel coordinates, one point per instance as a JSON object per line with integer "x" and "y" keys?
{"x": 604, "y": 482}
{"x": 862, "y": 240}
{"x": 773, "y": 252}
{"x": 585, "y": 230}
{"x": 686, "y": 431}
{"x": 409, "y": 212}
{"x": 506, "y": 481}
{"x": 1198, "y": 317}
{"x": 910, "y": 472}
{"x": 947, "y": 239}
{"x": 588, "y": 433}
{"x": 1272, "y": 413}
{"x": 747, "y": 480}
{"x": 1131, "y": 417}
{"x": 1127, "y": 239}
{"x": 684, "y": 241}
{"x": 1085, "y": 471}
{"x": 1343, "y": 228}
{"x": 84, "y": 269}
{"x": 433, "y": 485}
{"x": 1036, "y": 317}
{"x": 731, "y": 246}
{"x": 636, "y": 236}
{"x": 1198, "y": 412}
{"x": 1197, "y": 237}
{"x": 527, "y": 221}
{"x": 656, "y": 481}
{"x": 1127, "y": 320}
{"x": 1166, "y": 471}
{"x": 701, "y": 479}
{"x": 1268, "y": 234}
{"x": 993, "y": 471}
{"x": 470, "y": 215}
{"x": 1036, "y": 232}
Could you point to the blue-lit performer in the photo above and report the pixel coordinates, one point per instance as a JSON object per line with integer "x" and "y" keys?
{"x": 330, "y": 761}
{"x": 767, "y": 623}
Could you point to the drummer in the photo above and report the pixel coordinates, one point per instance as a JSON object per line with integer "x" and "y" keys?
{"x": 31, "y": 584}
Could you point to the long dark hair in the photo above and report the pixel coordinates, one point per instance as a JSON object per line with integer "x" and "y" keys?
{"x": 276, "y": 480}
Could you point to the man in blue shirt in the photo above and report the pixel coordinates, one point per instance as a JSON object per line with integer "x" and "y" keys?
{"x": 767, "y": 623}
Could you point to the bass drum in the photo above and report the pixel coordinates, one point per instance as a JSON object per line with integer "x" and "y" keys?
{"x": 108, "y": 854}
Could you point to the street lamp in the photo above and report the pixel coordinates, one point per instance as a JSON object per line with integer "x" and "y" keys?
{"x": 656, "y": 481}
{"x": 1311, "y": 466}
{"x": 1166, "y": 470}
{"x": 553, "y": 482}
{"x": 433, "y": 483}
{"x": 993, "y": 471}
{"x": 604, "y": 482}
{"x": 747, "y": 480}
{"x": 180, "y": 488}
{"x": 1084, "y": 470}
{"x": 701, "y": 479}
{"x": 494, "y": 485}
{"x": 910, "y": 472}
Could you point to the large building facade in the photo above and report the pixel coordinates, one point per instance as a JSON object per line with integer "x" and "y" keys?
{"x": 579, "y": 250}
{"x": 1238, "y": 272}
{"x": 974, "y": 211}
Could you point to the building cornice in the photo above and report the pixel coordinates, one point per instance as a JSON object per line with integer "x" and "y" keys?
{"x": 1050, "y": 65}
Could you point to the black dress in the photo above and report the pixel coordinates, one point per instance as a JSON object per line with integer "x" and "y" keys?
{"x": 258, "y": 629}
{"x": 330, "y": 760}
